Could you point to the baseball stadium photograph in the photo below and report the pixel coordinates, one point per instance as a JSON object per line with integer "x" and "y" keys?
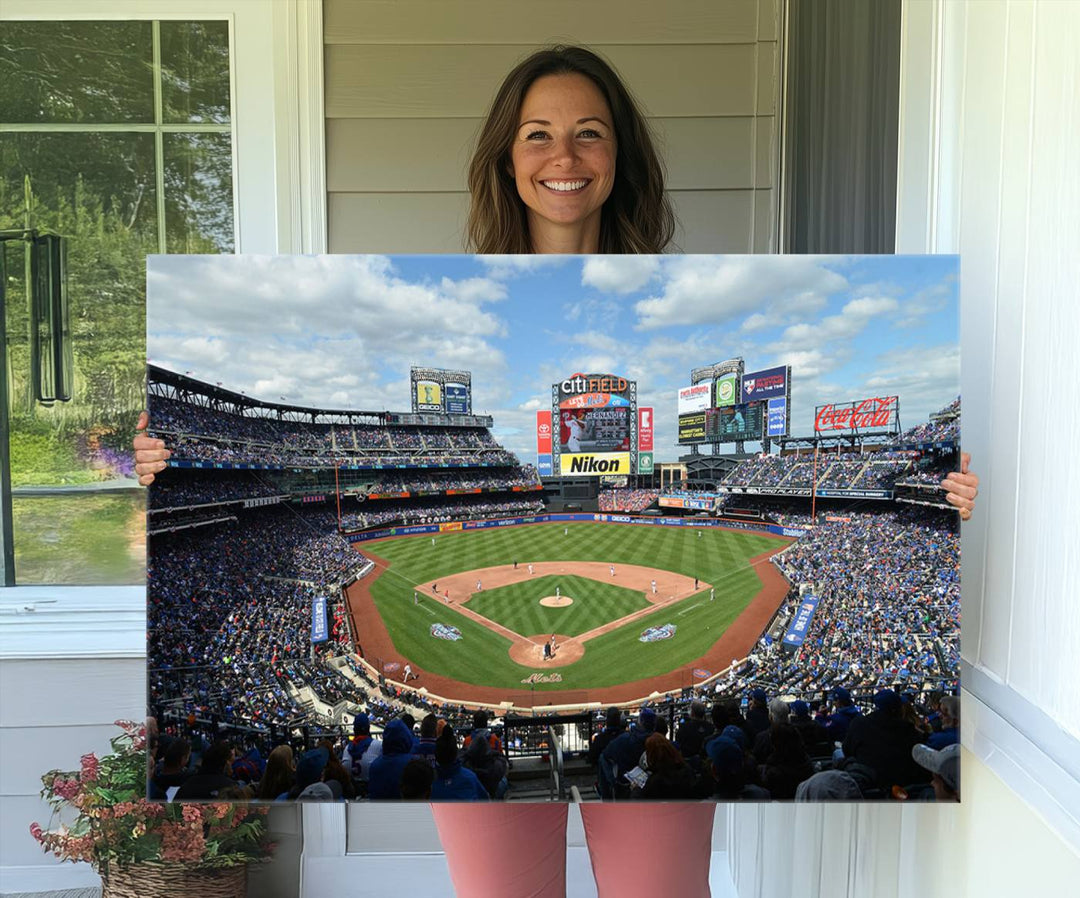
{"x": 525, "y": 528}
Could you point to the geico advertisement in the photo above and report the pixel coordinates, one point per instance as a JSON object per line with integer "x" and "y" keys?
{"x": 594, "y": 463}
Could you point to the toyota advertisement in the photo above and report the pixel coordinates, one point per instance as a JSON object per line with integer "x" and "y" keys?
{"x": 543, "y": 443}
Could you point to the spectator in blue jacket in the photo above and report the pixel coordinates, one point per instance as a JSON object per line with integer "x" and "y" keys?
{"x": 453, "y": 781}
{"x": 384, "y": 781}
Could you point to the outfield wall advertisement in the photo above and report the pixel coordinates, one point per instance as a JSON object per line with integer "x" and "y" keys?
{"x": 415, "y": 529}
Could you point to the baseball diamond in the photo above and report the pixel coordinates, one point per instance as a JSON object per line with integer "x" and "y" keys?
{"x": 599, "y": 651}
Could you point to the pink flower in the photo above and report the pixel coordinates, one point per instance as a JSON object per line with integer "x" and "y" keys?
{"x": 65, "y": 788}
{"x": 36, "y": 832}
{"x": 89, "y": 768}
{"x": 192, "y": 813}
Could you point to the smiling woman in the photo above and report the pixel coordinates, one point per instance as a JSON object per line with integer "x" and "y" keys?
{"x": 565, "y": 164}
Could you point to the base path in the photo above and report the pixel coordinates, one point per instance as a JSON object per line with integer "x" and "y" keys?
{"x": 736, "y": 642}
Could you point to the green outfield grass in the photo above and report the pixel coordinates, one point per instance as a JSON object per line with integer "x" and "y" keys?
{"x": 518, "y": 606}
{"x": 718, "y": 556}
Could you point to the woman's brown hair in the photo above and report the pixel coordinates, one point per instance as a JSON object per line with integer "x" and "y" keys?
{"x": 637, "y": 216}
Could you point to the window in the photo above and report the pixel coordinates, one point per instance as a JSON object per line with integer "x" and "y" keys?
{"x": 117, "y": 135}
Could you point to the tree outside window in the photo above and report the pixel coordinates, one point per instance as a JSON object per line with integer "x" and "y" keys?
{"x": 118, "y": 136}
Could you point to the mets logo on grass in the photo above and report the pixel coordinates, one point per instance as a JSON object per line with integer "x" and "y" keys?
{"x": 542, "y": 678}
{"x": 444, "y": 631}
{"x": 655, "y": 634}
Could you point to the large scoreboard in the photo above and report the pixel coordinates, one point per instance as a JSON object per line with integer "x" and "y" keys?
{"x": 725, "y": 405}
{"x": 594, "y": 428}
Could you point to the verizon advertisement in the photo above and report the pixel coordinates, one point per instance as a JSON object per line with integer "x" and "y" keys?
{"x": 645, "y": 430}
{"x": 695, "y": 399}
{"x": 878, "y": 413}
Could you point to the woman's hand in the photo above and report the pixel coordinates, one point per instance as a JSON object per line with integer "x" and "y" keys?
{"x": 962, "y": 487}
{"x": 150, "y": 454}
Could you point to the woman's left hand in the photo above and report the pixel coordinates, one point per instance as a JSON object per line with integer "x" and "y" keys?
{"x": 962, "y": 487}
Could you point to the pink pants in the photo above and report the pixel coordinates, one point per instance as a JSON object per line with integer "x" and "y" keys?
{"x": 508, "y": 850}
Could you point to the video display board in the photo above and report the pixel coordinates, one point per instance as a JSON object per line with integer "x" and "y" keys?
{"x": 441, "y": 390}
{"x": 723, "y": 425}
{"x": 594, "y": 425}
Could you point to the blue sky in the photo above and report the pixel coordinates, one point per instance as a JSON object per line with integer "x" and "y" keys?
{"x": 343, "y": 331}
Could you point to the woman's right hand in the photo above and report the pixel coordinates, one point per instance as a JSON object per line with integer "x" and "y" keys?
{"x": 151, "y": 456}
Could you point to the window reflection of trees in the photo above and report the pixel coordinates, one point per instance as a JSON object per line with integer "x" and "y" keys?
{"x": 118, "y": 136}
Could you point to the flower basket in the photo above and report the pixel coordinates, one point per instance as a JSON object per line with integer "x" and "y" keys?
{"x": 144, "y": 848}
{"x": 173, "y": 881}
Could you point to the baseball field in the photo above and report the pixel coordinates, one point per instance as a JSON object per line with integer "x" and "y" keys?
{"x": 472, "y": 613}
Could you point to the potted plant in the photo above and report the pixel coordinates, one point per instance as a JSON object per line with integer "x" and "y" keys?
{"x": 143, "y": 847}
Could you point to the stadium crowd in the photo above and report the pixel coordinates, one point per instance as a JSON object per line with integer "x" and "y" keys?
{"x": 405, "y": 513}
{"x": 624, "y": 499}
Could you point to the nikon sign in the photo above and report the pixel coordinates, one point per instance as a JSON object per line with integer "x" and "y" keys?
{"x": 594, "y": 463}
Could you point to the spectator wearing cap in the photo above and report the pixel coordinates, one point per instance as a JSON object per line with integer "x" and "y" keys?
{"x": 309, "y": 770}
{"x": 829, "y": 785}
{"x": 361, "y": 752}
{"x": 384, "y": 779}
{"x": 836, "y": 726}
{"x": 944, "y": 767}
{"x": 883, "y": 740}
{"x": 622, "y": 755}
{"x": 949, "y": 734}
{"x": 757, "y": 714}
{"x": 727, "y": 765}
{"x": 810, "y": 731}
{"x": 692, "y": 734}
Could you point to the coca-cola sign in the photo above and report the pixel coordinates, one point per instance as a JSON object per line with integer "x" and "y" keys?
{"x": 868, "y": 414}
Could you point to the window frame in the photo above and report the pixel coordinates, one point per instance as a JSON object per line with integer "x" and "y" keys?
{"x": 276, "y": 95}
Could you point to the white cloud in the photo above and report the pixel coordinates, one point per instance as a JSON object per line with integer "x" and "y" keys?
{"x": 702, "y": 290}
{"x": 619, "y": 274}
{"x": 504, "y": 267}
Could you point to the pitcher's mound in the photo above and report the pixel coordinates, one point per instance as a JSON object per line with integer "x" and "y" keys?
{"x": 556, "y": 601}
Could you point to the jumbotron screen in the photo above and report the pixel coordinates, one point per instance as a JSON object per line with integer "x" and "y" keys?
{"x": 594, "y": 418}
{"x": 594, "y": 430}
{"x": 723, "y": 425}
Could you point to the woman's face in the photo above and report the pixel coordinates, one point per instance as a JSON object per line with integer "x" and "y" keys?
{"x": 563, "y": 154}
